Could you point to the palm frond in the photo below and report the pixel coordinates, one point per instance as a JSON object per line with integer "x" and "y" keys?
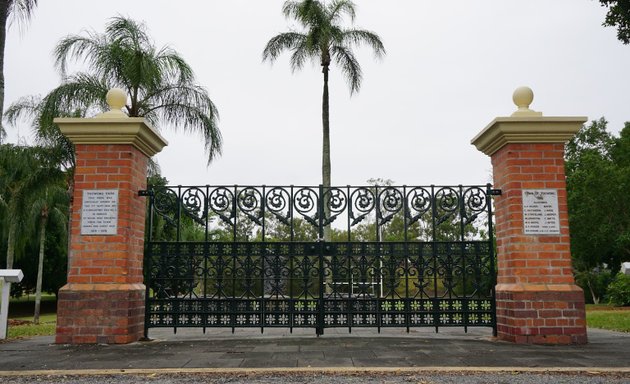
{"x": 338, "y": 8}
{"x": 153, "y": 168}
{"x": 128, "y": 32}
{"x": 356, "y": 37}
{"x": 75, "y": 47}
{"x": 20, "y": 11}
{"x": 279, "y": 43}
{"x": 49, "y": 197}
{"x": 174, "y": 66}
{"x": 82, "y": 92}
{"x": 126, "y": 57}
{"x": 187, "y": 107}
{"x": 26, "y": 170}
{"x": 27, "y": 107}
{"x": 300, "y": 10}
{"x": 349, "y": 66}
{"x": 324, "y": 38}
{"x": 299, "y": 56}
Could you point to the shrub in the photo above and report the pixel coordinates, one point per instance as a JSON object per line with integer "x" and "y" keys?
{"x": 594, "y": 283}
{"x": 619, "y": 290}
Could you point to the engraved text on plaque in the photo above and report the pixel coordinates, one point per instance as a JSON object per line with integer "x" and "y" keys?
{"x": 99, "y": 212}
{"x": 540, "y": 212}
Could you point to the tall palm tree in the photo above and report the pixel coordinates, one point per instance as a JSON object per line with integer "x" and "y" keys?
{"x": 326, "y": 40}
{"x": 23, "y": 171}
{"x": 160, "y": 85}
{"x": 18, "y": 9}
{"x": 50, "y": 204}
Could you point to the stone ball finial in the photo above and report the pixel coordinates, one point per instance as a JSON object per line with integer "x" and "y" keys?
{"x": 523, "y": 97}
{"x": 116, "y": 99}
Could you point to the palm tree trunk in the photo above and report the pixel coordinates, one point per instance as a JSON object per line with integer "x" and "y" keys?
{"x": 4, "y": 15}
{"x": 40, "y": 265}
{"x": 11, "y": 243}
{"x": 326, "y": 172}
{"x": 592, "y": 291}
{"x": 69, "y": 226}
{"x": 326, "y": 150}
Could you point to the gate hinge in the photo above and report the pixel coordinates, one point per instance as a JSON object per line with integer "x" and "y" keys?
{"x": 495, "y": 192}
{"x": 145, "y": 192}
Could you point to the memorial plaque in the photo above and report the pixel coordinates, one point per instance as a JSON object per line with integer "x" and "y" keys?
{"x": 540, "y": 212}
{"x": 99, "y": 212}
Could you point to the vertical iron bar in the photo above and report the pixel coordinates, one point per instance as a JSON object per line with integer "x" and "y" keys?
{"x": 407, "y": 300}
{"x": 350, "y": 301}
{"x": 462, "y": 249}
{"x": 263, "y": 255}
{"x": 434, "y": 302}
{"x": 291, "y": 275}
{"x": 380, "y": 300}
{"x": 176, "y": 307}
{"x": 206, "y": 256}
{"x": 148, "y": 256}
{"x": 322, "y": 277}
{"x": 232, "y": 299}
{"x": 291, "y": 256}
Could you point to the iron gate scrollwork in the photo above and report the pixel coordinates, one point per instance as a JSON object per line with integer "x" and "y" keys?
{"x": 254, "y": 256}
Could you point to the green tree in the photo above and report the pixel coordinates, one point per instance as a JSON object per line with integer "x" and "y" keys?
{"x": 598, "y": 181}
{"x": 160, "y": 85}
{"x": 618, "y": 16}
{"x": 21, "y": 173}
{"x": 50, "y": 203}
{"x": 324, "y": 39}
{"x": 10, "y": 9}
{"x": 24, "y": 173}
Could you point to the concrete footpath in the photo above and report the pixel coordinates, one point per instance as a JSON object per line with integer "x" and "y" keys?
{"x": 192, "y": 351}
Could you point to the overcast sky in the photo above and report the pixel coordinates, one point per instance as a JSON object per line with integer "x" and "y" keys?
{"x": 450, "y": 68}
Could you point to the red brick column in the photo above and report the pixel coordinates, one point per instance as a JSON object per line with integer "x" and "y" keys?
{"x": 103, "y": 300}
{"x": 537, "y": 299}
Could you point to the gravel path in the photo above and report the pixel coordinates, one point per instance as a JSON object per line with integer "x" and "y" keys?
{"x": 358, "y": 378}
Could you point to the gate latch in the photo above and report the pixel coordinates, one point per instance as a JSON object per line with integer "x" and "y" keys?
{"x": 145, "y": 192}
{"x": 495, "y": 192}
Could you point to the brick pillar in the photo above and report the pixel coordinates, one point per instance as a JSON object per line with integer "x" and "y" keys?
{"x": 103, "y": 300}
{"x": 537, "y": 299}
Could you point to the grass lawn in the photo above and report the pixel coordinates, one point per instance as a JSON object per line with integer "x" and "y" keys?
{"x": 21, "y": 317}
{"x": 24, "y": 327}
{"x": 608, "y": 317}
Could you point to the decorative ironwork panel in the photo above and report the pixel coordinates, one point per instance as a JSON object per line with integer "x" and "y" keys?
{"x": 255, "y": 256}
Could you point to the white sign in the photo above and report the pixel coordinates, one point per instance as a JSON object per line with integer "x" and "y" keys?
{"x": 99, "y": 212}
{"x": 540, "y": 212}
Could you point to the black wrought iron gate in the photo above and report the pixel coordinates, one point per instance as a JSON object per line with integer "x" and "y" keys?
{"x": 373, "y": 256}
